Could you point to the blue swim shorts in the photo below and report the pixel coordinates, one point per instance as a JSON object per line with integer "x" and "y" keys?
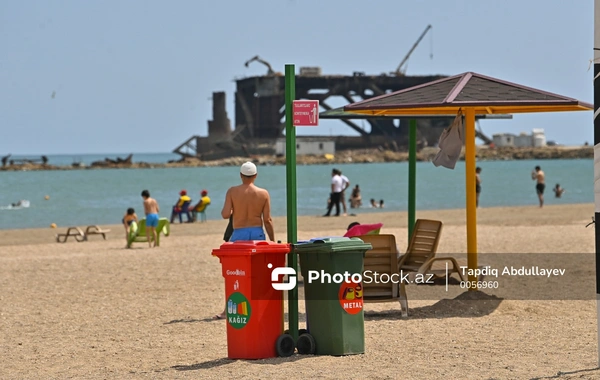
{"x": 152, "y": 220}
{"x": 247, "y": 233}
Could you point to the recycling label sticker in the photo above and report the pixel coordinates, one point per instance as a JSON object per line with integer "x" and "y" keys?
{"x": 238, "y": 310}
{"x": 351, "y": 297}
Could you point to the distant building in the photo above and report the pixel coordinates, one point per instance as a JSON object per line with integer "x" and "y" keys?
{"x": 539, "y": 138}
{"x": 308, "y": 145}
{"x": 536, "y": 139}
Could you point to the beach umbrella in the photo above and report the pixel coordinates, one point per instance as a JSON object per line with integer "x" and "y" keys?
{"x": 339, "y": 113}
{"x": 469, "y": 94}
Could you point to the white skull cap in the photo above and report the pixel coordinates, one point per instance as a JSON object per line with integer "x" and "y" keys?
{"x": 248, "y": 169}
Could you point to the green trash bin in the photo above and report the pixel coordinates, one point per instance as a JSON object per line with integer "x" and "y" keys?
{"x": 334, "y": 307}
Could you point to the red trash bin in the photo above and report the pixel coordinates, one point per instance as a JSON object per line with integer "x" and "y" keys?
{"x": 254, "y": 307}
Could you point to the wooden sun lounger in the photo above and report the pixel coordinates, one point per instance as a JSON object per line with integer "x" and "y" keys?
{"x": 71, "y": 231}
{"x": 95, "y": 230}
{"x": 419, "y": 258}
{"x": 420, "y": 254}
{"x": 383, "y": 258}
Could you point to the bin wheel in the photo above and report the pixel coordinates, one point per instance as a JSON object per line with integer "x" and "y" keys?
{"x": 285, "y": 345}
{"x": 306, "y": 344}
{"x": 300, "y": 332}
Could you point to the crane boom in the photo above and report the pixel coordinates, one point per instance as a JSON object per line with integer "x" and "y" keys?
{"x": 258, "y": 59}
{"x": 398, "y": 70}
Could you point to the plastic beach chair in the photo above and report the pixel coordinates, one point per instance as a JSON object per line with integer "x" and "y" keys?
{"x": 137, "y": 231}
{"x": 183, "y": 210}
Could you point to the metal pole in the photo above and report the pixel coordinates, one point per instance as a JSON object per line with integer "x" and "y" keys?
{"x": 471, "y": 205}
{"x": 412, "y": 176}
{"x": 290, "y": 161}
{"x": 597, "y": 158}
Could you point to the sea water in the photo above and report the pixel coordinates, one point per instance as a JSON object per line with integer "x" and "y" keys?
{"x": 82, "y": 197}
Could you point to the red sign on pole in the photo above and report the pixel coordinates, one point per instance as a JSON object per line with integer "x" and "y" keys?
{"x": 306, "y": 113}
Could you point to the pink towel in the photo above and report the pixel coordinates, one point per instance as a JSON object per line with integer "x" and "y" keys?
{"x": 363, "y": 229}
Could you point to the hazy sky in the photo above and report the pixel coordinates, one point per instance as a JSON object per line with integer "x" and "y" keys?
{"x": 137, "y": 75}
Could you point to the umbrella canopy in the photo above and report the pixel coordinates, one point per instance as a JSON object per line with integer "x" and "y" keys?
{"x": 482, "y": 94}
{"x": 339, "y": 113}
{"x": 469, "y": 93}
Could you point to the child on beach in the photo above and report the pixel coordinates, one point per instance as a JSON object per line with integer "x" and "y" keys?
{"x": 151, "y": 210}
{"x": 129, "y": 217}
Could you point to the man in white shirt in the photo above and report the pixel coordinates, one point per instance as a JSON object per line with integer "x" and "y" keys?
{"x": 345, "y": 185}
{"x": 336, "y": 192}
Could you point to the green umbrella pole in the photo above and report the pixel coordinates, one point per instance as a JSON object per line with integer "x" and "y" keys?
{"x": 290, "y": 161}
{"x": 412, "y": 176}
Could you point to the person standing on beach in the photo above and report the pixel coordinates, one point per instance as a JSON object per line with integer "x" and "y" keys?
{"x": 151, "y": 210}
{"x": 251, "y": 207}
{"x": 477, "y": 185}
{"x": 336, "y": 192}
{"x": 539, "y": 176}
{"x": 345, "y": 185}
{"x": 247, "y": 207}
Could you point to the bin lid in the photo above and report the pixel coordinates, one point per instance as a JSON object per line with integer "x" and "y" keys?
{"x": 332, "y": 244}
{"x": 250, "y": 247}
{"x": 310, "y": 241}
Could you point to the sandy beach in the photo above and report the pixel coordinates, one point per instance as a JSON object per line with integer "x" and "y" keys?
{"x": 94, "y": 310}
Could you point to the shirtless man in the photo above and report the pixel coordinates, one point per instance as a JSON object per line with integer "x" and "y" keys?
{"x": 539, "y": 175}
{"x": 151, "y": 210}
{"x": 251, "y": 207}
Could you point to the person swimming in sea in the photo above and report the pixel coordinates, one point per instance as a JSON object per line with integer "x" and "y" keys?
{"x": 558, "y": 191}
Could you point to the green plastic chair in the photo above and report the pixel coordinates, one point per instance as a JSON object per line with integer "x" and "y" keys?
{"x": 202, "y": 214}
{"x": 137, "y": 231}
